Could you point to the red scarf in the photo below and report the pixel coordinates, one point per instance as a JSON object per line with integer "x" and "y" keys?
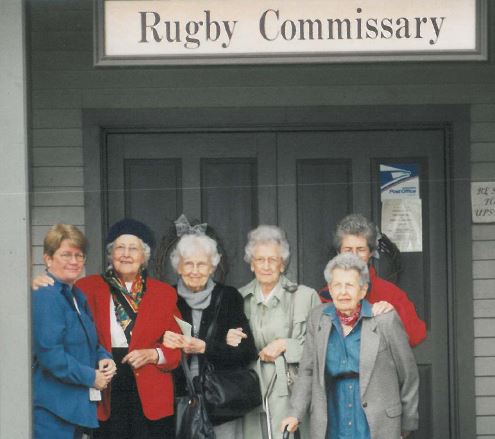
{"x": 349, "y": 320}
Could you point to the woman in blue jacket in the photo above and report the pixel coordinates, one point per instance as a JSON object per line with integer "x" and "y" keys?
{"x": 70, "y": 367}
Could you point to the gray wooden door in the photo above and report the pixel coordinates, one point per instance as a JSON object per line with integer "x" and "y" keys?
{"x": 224, "y": 179}
{"x": 305, "y": 181}
{"x": 325, "y": 175}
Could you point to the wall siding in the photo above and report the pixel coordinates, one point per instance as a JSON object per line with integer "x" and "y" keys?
{"x": 483, "y": 169}
{"x": 64, "y": 83}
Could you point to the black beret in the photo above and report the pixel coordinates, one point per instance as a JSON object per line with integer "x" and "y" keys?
{"x": 129, "y": 226}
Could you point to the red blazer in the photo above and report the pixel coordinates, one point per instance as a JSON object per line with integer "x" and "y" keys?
{"x": 155, "y": 316}
{"x": 382, "y": 290}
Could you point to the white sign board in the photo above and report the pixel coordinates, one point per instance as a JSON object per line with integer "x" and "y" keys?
{"x": 483, "y": 202}
{"x": 401, "y": 222}
{"x": 269, "y": 31}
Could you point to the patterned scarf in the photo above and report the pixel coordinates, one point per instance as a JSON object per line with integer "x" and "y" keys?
{"x": 349, "y": 320}
{"x": 126, "y": 302}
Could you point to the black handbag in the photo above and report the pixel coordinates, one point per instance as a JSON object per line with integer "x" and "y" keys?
{"x": 191, "y": 417}
{"x": 229, "y": 393}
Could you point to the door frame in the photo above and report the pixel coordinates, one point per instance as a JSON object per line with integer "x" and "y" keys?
{"x": 453, "y": 119}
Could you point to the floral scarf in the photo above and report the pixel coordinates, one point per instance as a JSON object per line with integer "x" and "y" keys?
{"x": 126, "y": 302}
{"x": 350, "y": 320}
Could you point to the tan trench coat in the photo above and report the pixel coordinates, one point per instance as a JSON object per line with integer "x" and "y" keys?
{"x": 270, "y": 321}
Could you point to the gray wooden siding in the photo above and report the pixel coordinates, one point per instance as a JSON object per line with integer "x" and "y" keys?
{"x": 64, "y": 83}
{"x": 483, "y": 169}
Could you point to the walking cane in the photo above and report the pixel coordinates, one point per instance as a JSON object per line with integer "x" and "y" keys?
{"x": 266, "y": 404}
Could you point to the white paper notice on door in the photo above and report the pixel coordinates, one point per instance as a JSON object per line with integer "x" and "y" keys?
{"x": 401, "y": 222}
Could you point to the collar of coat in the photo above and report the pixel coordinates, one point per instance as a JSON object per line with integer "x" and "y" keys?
{"x": 282, "y": 286}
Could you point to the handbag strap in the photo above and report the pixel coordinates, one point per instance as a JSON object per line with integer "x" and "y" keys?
{"x": 291, "y": 314}
{"x": 211, "y": 330}
{"x": 187, "y": 373}
{"x": 213, "y": 325}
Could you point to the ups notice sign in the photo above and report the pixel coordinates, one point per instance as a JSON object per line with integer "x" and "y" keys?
{"x": 284, "y": 31}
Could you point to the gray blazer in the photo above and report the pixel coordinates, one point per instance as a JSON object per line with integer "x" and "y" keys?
{"x": 388, "y": 376}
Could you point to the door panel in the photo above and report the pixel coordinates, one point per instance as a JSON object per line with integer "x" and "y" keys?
{"x": 229, "y": 203}
{"x": 324, "y": 196}
{"x": 305, "y": 181}
{"x": 154, "y": 183}
{"x": 156, "y": 177}
{"x": 308, "y": 213}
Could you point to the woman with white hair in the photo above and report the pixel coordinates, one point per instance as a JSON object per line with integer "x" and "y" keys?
{"x": 277, "y": 309}
{"x": 230, "y": 345}
{"x": 357, "y": 235}
{"x": 358, "y": 373}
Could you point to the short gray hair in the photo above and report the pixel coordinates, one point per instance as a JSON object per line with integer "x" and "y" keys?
{"x": 190, "y": 244}
{"x": 265, "y": 234}
{"x": 357, "y": 225}
{"x": 347, "y": 261}
{"x": 146, "y": 250}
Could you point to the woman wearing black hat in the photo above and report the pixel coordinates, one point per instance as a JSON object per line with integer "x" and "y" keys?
{"x": 132, "y": 312}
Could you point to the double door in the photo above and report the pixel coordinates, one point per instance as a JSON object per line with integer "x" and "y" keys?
{"x": 305, "y": 182}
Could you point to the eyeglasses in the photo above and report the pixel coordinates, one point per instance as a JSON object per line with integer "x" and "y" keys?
{"x": 262, "y": 261}
{"x": 201, "y": 267}
{"x": 67, "y": 257}
{"x": 121, "y": 250}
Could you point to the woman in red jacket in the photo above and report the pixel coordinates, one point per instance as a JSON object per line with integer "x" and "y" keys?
{"x": 355, "y": 234}
{"x": 132, "y": 312}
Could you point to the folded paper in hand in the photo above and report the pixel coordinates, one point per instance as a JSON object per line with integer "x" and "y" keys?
{"x": 184, "y": 326}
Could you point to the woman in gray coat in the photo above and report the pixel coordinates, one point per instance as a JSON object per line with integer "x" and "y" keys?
{"x": 277, "y": 310}
{"x": 358, "y": 375}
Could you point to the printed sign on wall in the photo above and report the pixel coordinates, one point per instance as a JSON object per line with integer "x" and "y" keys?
{"x": 483, "y": 202}
{"x": 271, "y": 31}
{"x": 401, "y": 206}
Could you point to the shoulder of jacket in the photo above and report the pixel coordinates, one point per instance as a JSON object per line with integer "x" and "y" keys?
{"x": 385, "y": 286}
{"x": 387, "y": 319}
{"x": 52, "y": 292}
{"x": 92, "y": 279}
{"x": 248, "y": 289}
{"x": 158, "y": 284}
{"x": 229, "y": 291}
{"x": 303, "y": 290}
{"x": 316, "y": 313}
{"x": 161, "y": 289}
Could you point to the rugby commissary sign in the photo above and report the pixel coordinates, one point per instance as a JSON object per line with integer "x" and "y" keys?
{"x": 232, "y": 31}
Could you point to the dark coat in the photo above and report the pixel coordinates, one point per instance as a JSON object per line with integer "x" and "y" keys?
{"x": 230, "y": 315}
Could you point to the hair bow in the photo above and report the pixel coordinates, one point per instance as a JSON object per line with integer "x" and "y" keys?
{"x": 183, "y": 227}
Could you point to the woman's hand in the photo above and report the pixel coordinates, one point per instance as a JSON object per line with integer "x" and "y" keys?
{"x": 381, "y": 308}
{"x": 101, "y": 380}
{"x": 291, "y": 423}
{"x": 190, "y": 345}
{"x": 273, "y": 350}
{"x": 42, "y": 280}
{"x": 234, "y": 337}
{"x": 107, "y": 367}
{"x": 193, "y": 345}
{"x": 172, "y": 340}
{"x": 140, "y": 357}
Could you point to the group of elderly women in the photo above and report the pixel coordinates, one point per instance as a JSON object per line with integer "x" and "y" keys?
{"x": 109, "y": 345}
